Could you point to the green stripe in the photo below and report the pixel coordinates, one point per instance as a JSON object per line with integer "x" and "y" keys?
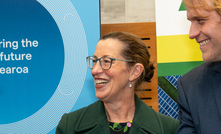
{"x": 168, "y": 87}
{"x": 176, "y": 68}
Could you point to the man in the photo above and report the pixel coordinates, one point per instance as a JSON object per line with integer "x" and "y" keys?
{"x": 199, "y": 99}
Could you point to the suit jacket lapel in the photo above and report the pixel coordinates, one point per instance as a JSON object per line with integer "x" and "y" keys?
{"x": 216, "y": 83}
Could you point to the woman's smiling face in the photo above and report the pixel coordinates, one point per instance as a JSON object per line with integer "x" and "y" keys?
{"x": 110, "y": 84}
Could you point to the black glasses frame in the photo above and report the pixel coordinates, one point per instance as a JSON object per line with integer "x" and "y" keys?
{"x": 99, "y": 59}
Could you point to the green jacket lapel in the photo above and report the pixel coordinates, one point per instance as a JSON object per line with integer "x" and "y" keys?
{"x": 93, "y": 120}
{"x": 145, "y": 119}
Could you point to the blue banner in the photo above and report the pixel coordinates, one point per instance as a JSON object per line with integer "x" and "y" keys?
{"x": 43, "y": 71}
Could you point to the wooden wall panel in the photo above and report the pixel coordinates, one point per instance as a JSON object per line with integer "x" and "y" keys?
{"x": 148, "y": 91}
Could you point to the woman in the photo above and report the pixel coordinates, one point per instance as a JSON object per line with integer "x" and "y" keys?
{"x": 119, "y": 65}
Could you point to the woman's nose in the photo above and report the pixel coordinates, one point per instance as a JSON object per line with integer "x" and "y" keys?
{"x": 97, "y": 68}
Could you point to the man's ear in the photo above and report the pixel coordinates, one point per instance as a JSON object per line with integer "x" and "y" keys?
{"x": 136, "y": 71}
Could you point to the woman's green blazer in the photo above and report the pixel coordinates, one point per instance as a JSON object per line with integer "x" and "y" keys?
{"x": 93, "y": 120}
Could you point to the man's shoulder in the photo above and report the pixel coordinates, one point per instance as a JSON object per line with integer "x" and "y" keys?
{"x": 199, "y": 68}
{"x": 195, "y": 72}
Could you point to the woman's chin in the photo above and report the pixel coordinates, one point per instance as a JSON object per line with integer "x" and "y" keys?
{"x": 99, "y": 96}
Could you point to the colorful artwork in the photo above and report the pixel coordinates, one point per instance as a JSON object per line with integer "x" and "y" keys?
{"x": 176, "y": 53}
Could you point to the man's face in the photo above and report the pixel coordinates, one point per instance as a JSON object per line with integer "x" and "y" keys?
{"x": 206, "y": 30}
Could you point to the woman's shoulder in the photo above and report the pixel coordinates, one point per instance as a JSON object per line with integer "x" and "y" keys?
{"x": 155, "y": 121}
{"x": 164, "y": 119}
{"x": 169, "y": 124}
{"x": 68, "y": 120}
{"x": 72, "y": 117}
{"x": 81, "y": 111}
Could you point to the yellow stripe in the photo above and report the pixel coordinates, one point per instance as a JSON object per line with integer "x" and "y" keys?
{"x": 177, "y": 48}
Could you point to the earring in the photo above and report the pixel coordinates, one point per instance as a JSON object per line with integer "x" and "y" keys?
{"x": 130, "y": 85}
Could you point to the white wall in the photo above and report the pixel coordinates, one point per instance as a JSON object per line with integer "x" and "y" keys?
{"x": 127, "y": 11}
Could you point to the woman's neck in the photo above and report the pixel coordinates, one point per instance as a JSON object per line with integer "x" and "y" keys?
{"x": 120, "y": 112}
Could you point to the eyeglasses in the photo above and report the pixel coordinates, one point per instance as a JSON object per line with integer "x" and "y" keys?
{"x": 105, "y": 62}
